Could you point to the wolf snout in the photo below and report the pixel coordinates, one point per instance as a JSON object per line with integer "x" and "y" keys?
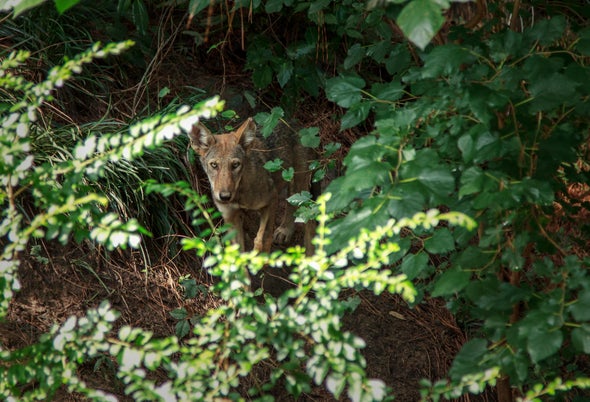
{"x": 224, "y": 196}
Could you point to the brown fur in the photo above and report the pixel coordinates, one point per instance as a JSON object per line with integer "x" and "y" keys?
{"x": 234, "y": 165}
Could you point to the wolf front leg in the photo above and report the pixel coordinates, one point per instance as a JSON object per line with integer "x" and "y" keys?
{"x": 233, "y": 217}
{"x": 263, "y": 240}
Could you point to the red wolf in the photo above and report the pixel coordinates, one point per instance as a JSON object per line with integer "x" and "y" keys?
{"x": 234, "y": 163}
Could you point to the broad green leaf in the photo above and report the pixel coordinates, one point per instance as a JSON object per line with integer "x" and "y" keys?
{"x": 354, "y": 56}
{"x": 414, "y": 264}
{"x": 551, "y": 92}
{"x": 472, "y": 181}
{"x": 399, "y": 59}
{"x": 64, "y": 5}
{"x": 182, "y": 328}
{"x": 420, "y": 20}
{"x": 451, "y": 282}
{"x": 434, "y": 177}
{"x": 544, "y": 343}
{"x": 335, "y": 383}
{"x": 391, "y": 91}
{"x": 19, "y": 7}
{"x": 345, "y": 90}
{"x": 547, "y": 30}
{"x": 468, "y": 360}
{"x": 299, "y": 199}
{"x": 274, "y": 165}
{"x": 405, "y": 200}
{"x": 310, "y": 137}
{"x": 262, "y": 76}
{"x": 318, "y": 5}
{"x": 179, "y": 313}
{"x": 442, "y": 241}
{"x": 446, "y": 60}
{"x": 273, "y": 6}
{"x": 288, "y": 174}
{"x": 269, "y": 121}
{"x": 580, "y": 310}
{"x": 367, "y": 217}
{"x": 285, "y": 72}
{"x": 380, "y": 50}
{"x": 355, "y": 115}
{"x": 581, "y": 338}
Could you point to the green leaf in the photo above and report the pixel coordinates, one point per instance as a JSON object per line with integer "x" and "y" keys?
{"x": 310, "y": 137}
{"x": 274, "y": 165}
{"x": 547, "y": 31}
{"x": 285, "y": 72}
{"x": 468, "y": 360}
{"x": 19, "y": 7}
{"x": 190, "y": 288}
{"x": 543, "y": 343}
{"x": 446, "y": 60}
{"x": 299, "y": 199}
{"x": 442, "y": 241}
{"x": 64, "y": 5}
{"x": 288, "y": 174}
{"x": 182, "y": 328}
{"x": 580, "y": 310}
{"x": 414, "y": 264}
{"x": 269, "y": 121}
{"x": 318, "y": 5}
{"x": 336, "y": 383}
{"x": 472, "y": 181}
{"x": 420, "y": 20}
{"x": 551, "y": 92}
{"x": 354, "y": 56}
{"x": 355, "y": 115}
{"x": 451, "y": 282}
{"x": 345, "y": 90}
{"x": 273, "y": 6}
{"x": 405, "y": 200}
{"x": 390, "y": 91}
{"x": 179, "y": 313}
{"x": 435, "y": 178}
{"x": 581, "y": 338}
{"x": 262, "y": 76}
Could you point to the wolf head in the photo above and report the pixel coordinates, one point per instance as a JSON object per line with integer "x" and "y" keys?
{"x": 223, "y": 157}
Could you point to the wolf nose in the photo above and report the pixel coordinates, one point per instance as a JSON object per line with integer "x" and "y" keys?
{"x": 224, "y": 196}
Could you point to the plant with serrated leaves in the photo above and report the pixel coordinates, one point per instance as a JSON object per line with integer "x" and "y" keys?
{"x": 493, "y": 127}
{"x": 64, "y": 205}
{"x": 298, "y": 335}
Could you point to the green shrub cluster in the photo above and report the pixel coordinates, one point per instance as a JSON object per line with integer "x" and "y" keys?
{"x": 490, "y": 125}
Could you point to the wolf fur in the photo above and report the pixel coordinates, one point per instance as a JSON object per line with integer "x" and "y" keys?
{"x": 234, "y": 163}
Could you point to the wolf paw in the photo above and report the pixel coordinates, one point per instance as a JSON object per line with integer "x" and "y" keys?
{"x": 283, "y": 235}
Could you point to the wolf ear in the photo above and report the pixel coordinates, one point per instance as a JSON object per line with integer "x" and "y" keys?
{"x": 246, "y": 133}
{"x": 201, "y": 138}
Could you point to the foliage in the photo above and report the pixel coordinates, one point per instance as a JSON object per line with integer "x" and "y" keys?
{"x": 303, "y": 333}
{"x": 490, "y": 124}
{"x": 492, "y": 128}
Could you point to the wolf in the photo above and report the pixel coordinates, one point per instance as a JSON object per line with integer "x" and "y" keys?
{"x": 234, "y": 164}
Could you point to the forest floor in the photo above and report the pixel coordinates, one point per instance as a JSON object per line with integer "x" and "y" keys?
{"x": 404, "y": 345}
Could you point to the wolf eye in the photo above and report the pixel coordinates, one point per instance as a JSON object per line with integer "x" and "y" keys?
{"x": 213, "y": 165}
{"x": 235, "y": 164}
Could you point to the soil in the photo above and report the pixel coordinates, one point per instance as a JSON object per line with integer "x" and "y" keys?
{"x": 404, "y": 345}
